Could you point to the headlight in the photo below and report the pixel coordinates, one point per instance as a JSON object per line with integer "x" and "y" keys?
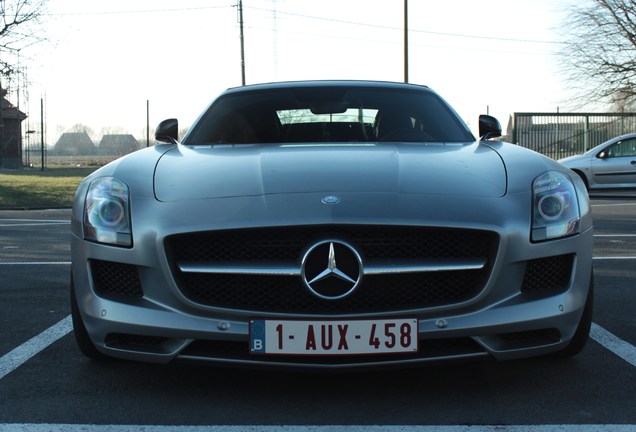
{"x": 555, "y": 207}
{"x": 106, "y": 212}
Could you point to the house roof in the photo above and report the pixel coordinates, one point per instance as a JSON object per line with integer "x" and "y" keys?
{"x": 117, "y": 139}
{"x": 74, "y": 138}
{"x": 11, "y": 112}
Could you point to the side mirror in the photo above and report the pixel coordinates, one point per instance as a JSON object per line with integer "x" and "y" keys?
{"x": 167, "y": 131}
{"x": 602, "y": 155}
{"x": 489, "y": 127}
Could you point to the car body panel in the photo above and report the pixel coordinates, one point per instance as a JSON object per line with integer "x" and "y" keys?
{"x": 206, "y": 173}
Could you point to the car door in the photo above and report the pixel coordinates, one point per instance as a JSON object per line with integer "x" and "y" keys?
{"x": 615, "y": 165}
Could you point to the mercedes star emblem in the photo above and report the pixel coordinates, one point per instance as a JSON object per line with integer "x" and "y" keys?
{"x": 332, "y": 269}
{"x": 330, "y": 199}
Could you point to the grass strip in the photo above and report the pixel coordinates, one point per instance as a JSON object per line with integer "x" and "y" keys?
{"x": 29, "y": 188}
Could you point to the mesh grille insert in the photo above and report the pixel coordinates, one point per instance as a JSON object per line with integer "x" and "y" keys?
{"x": 288, "y": 294}
{"x": 549, "y": 275}
{"x": 116, "y": 279}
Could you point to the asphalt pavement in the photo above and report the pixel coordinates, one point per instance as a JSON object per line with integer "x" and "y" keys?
{"x": 46, "y": 384}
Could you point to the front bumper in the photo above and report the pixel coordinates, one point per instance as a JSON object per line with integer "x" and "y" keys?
{"x": 501, "y": 322}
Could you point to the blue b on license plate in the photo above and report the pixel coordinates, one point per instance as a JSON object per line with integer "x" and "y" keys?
{"x": 333, "y": 337}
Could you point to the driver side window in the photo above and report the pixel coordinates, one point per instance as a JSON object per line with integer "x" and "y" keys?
{"x": 625, "y": 148}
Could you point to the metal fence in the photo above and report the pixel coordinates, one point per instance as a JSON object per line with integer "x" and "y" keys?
{"x": 559, "y": 135}
{"x": 78, "y": 149}
{"x": 556, "y": 135}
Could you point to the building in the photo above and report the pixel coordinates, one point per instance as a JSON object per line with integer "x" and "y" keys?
{"x": 74, "y": 144}
{"x": 11, "y": 120}
{"x": 118, "y": 145}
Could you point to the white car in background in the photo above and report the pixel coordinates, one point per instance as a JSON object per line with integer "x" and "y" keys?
{"x": 610, "y": 165}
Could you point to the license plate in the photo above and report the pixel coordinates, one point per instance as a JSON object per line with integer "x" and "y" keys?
{"x": 348, "y": 337}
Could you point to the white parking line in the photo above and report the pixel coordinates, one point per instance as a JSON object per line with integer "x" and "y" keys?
{"x": 329, "y": 428}
{"x": 615, "y": 258}
{"x": 614, "y": 205}
{"x": 37, "y": 220}
{"x": 16, "y": 358}
{"x": 35, "y": 263}
{"x": 33, "y": 224}
{"x": 618, "y": 346}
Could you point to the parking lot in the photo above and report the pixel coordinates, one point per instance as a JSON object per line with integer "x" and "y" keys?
{"x": 46, "y": 384}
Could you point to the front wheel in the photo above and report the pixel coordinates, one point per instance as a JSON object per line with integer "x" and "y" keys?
{"x": 582, "y": 334}
{"x": 585, "y": 181}
{"x": 86, "y": 346}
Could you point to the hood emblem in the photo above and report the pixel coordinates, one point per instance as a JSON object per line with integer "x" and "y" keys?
{"x": 331, "y": 269}
{"x": 330, "y": 199}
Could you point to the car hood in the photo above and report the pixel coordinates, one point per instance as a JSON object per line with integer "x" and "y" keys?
{"x": 222, "y": 171}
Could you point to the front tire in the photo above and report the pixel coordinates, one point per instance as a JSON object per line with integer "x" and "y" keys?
{"x": 86, "y": 346}
{"x": 585, "y": 181}
{"x": 582, "y": 334}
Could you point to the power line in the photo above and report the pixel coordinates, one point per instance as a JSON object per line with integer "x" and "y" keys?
{"x": 393, "y": 42}
{"x": 312, "y": 17}
{"x": 139, "y": 11}
{"x": 380, "y": 26}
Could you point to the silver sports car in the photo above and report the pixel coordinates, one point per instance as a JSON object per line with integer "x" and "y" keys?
{"x": 331, "y": 224}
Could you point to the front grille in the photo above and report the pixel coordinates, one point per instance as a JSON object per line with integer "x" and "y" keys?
{"x": 375, "y": 293}
{"x": 288, "y": 243}
{"x": 288, "y": 294}
{"x": 548, "y": 276}
{"x": 115, "y": 280}
{"x": 429, "y": 349}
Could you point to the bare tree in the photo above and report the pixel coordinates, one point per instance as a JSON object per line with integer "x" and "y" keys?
{"x": 599, "y": 55}
{"x": 19, "y": 29}
{"x": 113, "y": 130}
{"x": 79, "y": 127}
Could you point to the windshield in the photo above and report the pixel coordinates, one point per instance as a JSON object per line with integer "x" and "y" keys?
{"x": 328, "y": 114}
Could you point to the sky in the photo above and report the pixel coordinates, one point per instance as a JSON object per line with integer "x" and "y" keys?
{"x": 104, "y": 63}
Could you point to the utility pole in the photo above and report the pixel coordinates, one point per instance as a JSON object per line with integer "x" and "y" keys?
{"x": 147, "y": 122}
{"x": 2, "y": 143}
{"x": 42, "y": 130}
{"x": 240, "y": 10}
{"x": 406, "y": 41}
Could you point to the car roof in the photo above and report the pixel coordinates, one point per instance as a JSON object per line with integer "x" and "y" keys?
{"x": 327, "y": 83}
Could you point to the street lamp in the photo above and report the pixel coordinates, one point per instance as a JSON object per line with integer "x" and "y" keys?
{"x": 28, "y": 146}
